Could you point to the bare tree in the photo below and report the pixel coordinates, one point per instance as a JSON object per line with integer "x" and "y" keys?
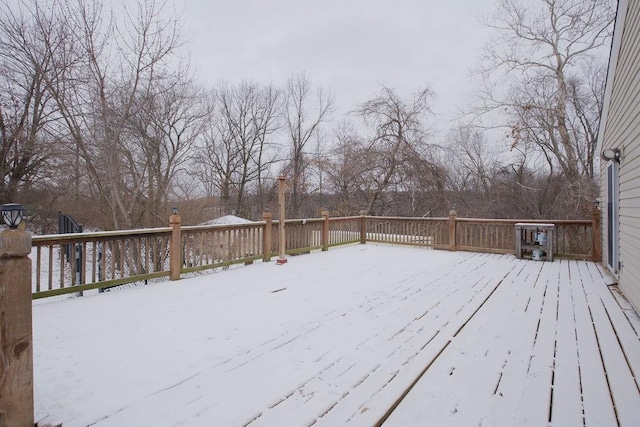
{"x": 549, "y": 53}
{"x": 472, "y": 164}
{"x": 27, "y": 115}
{"x": 161, "y": 135}
{"x": 483, "y": 183}
{"x": 236, "y": 158}
{"x": 399, "y": 139}
{"x": 345, "y": 169}
{"x": 105, "y": 76}
{"x": 304, "y": 115}
{"x": 424, "y": 188}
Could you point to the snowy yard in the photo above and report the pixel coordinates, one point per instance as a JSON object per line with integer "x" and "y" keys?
{"x": 342, "y": 338}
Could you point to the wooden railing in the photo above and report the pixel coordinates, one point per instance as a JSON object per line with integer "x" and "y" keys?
{"x": 78, "y": 262}
{"x": 302, "y": 235}
{"x": 209, "y": 247}
{"x": 66, "y": 263}
{"x": 571, "y": 239}
{"x": 344, "y": 231}
{"x": 431, "y": 232}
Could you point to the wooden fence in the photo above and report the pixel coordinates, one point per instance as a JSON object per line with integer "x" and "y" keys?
{"x": 73, "y": 263}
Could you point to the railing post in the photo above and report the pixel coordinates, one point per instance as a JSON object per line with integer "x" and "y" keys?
{"x": 267, "y": 236}
{"x": 452, "y": 230}
{"x": 596, "y": 231}
{"x": 363, "y": 227}
{"x": 175, "y": 244}
{"x": 16, "y": 345}
{"x": 281, "y": 232}
{"x": 325, "y": 230}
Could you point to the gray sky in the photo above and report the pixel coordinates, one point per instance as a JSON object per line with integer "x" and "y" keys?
{"x": 348, "y": 46}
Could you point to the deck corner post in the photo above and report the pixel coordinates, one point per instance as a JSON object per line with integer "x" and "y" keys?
{"x": 452, "y": 230}
{"x": 175, "y": 254}
{"x": 363, "y": 227}
{"x": 267, "y": 236}
{"x": 282, "y": 240}
{"x": 325, "y": 230}
{"x": 596, "y": 230}
{"x": 16, "y": 346}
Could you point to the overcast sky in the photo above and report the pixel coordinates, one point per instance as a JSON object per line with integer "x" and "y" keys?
{"x": 348, "y": 46}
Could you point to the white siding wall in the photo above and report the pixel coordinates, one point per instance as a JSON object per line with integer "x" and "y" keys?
{"x": 622, "y": 130}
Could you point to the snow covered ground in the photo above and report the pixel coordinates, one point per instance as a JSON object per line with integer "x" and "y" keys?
{"x": 338, "y": 338}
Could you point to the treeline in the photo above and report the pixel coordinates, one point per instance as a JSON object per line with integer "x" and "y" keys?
{"x": 102, "y": 117}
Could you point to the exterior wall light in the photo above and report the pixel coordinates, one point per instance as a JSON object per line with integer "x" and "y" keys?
{"x": 611, "y": 154}
{"x": 12, "y": 213}
{"x": 174, "y": 210}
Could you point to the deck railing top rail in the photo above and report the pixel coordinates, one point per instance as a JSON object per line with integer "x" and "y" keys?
{"x": 257, "y": 224}
{"x": 405, "y": 218}
{"x": 529, "y": 221}
{"x": 44, "y": 239}
{"x": 480, "y": 220}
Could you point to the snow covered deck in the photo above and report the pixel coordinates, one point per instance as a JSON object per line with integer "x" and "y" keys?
{"x": 347, "y": 337}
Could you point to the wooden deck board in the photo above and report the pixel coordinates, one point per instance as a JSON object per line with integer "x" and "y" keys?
{"x": 520, "y": 338}
{"x": 626, "y": 333}
{"x": 412, "y": 344}
{"x": 561, "y": 360}
{"x": 567, "y": 407}
{"x": 593, "y": 379}
{"x": 622, "y": 385}
{"x": 472, "y": 339}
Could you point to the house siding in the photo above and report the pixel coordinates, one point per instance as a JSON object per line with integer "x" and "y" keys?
{"x": 621, "y": 124}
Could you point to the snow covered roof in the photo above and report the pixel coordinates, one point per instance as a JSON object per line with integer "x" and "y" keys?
{"x": 227, "y": 220}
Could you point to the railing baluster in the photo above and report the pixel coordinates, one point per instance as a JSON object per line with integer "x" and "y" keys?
{"x": 94, "y": 255}
{"x": 38, "y": 267}
{"x": 83, "y": 272}
{"x": 50, "y": 281}
{"x": 114, "y": 255}
{"x": 62, "y": 255}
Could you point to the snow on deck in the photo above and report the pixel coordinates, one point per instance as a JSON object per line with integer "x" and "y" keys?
{"x": 341, "y": 338}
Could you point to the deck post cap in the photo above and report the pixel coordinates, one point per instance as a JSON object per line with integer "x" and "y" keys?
{"x": 15, "y": 243}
